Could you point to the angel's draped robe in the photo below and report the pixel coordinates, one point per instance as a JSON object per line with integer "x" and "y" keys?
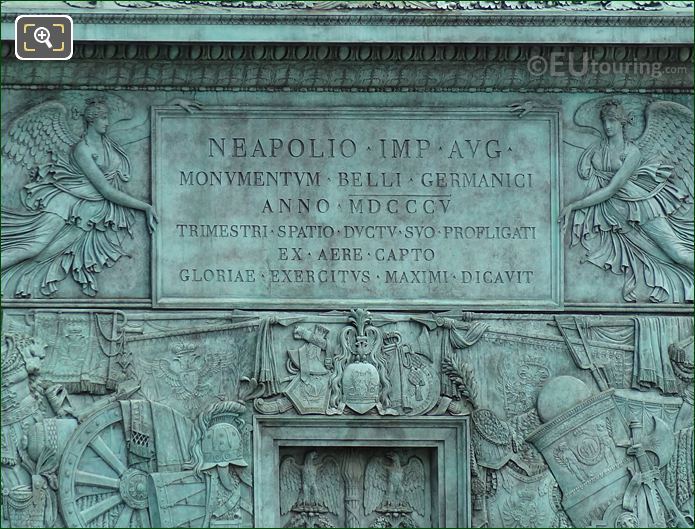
{"x": 619, "y": 233}
{"x": 92, "y": 234}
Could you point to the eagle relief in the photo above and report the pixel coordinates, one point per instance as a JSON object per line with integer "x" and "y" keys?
{"x": 311, "y": 490}
{"x": 354, "y": 487}
{"x": 394, "y": 487}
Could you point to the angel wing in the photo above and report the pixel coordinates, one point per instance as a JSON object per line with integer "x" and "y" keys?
{"x": 414, "y": 484}
{"x": 375, "y": 482}
{"x": 35, "y": 135}
{"x": 290, "y": 483}
{"x": 668, "y": 134}
{"x": 331, "y": 484}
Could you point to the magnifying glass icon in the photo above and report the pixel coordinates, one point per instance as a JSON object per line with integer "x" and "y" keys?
{"x": 42, "y": 36}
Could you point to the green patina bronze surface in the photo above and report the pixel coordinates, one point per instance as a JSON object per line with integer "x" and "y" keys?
{"x": 349, "y": 264}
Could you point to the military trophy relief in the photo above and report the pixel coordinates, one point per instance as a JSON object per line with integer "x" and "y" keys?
{"x": 355, "y": 487}
{"x": 501, "y": 374}
{"x": 635, "y": 218}
{"x": 93, "y": 439}
{"x": 257, "y": 277}
{"x": 625, "y": 440}
{"x": 127, "y": 419}
{"x": 74, "y": 216}
{"x": 357, "y": 369}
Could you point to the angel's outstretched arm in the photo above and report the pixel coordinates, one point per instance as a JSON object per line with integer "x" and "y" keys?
{"x": 623, "y": 174}
{"x": 132, "y": 130}
{"x": 110, "y": 193}
{"x": 126, "y": 132}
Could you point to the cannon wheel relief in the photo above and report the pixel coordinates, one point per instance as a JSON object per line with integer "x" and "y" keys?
{"x": 99, "y": 486}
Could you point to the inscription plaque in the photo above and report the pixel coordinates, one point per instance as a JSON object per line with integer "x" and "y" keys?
{"x": 427, "y": 207}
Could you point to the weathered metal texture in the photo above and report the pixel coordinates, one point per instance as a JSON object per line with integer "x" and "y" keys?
{"x": 460, "y": 233}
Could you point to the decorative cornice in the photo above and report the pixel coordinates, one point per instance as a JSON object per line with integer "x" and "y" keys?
{"x": 362, "y": 67}
{"x": 383, "y": 5}
{"x": 533, "y": 22}
{"x": 380, "y": 19}
{"x": 370, "y": 53}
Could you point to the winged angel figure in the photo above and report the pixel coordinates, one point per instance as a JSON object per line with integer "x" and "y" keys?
{"x": 636, "y": 215}
{"x": 76, "y": 212}
{"x": 316, "y": 486}
{"x": 391, "y": 487}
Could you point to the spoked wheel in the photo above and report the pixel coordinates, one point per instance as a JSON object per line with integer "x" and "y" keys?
{"x": 97, "y": 489}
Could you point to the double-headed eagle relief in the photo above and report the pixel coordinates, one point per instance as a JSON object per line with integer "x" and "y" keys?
{"x": 434, "y": 272}
{"x": 396, "y": 281}
{"x": 190, "y": 377}
{"x": 636, "y": 218}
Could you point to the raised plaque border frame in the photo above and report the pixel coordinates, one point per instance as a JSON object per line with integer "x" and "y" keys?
{"x": 554, "y": 302}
